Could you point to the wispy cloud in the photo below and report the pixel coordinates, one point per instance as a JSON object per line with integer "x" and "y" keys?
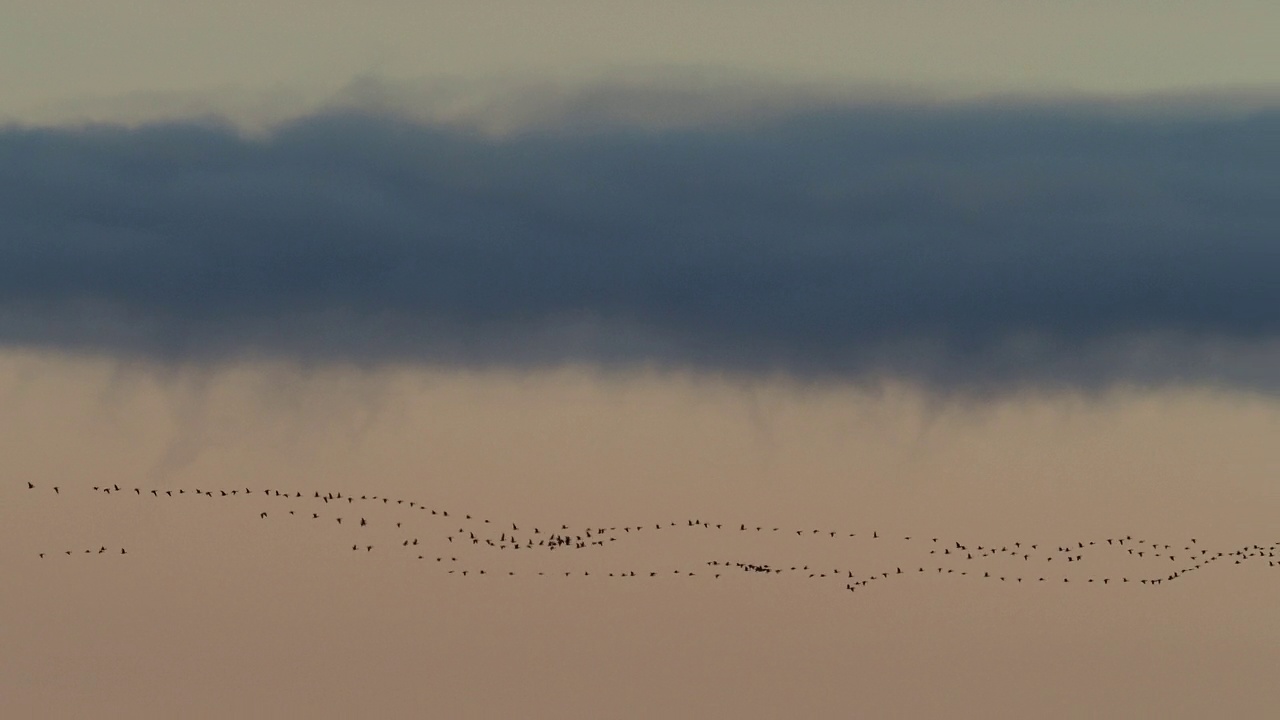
{"x": 975, "y": 245}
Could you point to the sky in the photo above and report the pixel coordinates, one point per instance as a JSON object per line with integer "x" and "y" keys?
{"x": 892, "y": 278}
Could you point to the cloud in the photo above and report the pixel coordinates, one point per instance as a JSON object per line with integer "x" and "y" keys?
{"x": 965, "y": 245}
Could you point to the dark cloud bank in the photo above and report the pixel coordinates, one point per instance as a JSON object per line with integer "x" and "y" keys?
{"x": 966, "y": 246}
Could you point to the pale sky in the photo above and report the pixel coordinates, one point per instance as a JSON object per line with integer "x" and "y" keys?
{"x": 908, "y": 274}
{"x": 67, "y": 53}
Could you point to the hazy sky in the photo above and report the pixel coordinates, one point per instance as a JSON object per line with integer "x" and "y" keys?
{"x": 994, "y": 273}
{"x": 81, "y": 57}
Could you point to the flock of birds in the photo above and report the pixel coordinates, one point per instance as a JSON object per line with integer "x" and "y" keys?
{"x": 469, "y": 546}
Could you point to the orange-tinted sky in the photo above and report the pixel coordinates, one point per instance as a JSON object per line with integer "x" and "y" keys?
{"x": 217, "y": 612}
{"x": 966, "y": 291}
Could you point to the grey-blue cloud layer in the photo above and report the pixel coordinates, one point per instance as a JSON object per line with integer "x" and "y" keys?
{"x": 961, "y": 246}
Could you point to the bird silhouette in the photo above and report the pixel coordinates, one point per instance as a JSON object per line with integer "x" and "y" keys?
{"x": 1081, "y": 559}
